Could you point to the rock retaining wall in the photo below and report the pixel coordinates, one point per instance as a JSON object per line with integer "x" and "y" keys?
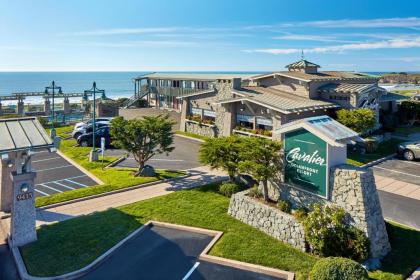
{"x": 268, "y": 219}
{"x": 200, "y": 129}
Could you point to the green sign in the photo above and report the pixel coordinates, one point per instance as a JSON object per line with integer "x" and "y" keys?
{"x": 306, "y": 161}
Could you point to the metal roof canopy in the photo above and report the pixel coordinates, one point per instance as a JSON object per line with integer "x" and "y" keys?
{"x": 326, "y": 128}
{"x": 23, "y": 134}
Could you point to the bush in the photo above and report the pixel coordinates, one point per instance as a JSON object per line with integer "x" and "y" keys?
{"x": 338, "y": 269}
{"x": 360, "y": 120}
{"x": 300, "y": 214}
{"x": 228, "y": 189}
{"x": 328, "y": 234}
{"x": 255, "y": 192}
{"x": 284, "y": 206}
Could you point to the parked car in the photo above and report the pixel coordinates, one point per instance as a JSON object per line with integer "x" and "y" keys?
{"x": 89, "y": 122}
{"x": 87, "y": 129}
{"x": 409, "y": 150}
{"x": 86, "y": 139}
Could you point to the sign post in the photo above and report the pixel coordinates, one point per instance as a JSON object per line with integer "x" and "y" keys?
{"x": 102, "y": 149}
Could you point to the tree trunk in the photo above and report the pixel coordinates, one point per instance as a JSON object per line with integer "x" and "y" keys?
{"x": 140, "y": 169}
{"x": 231, "y": 177}
{"x": 265, "y": 190}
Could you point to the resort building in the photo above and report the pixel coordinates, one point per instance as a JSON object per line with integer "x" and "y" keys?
{"x": 224, "y": 104}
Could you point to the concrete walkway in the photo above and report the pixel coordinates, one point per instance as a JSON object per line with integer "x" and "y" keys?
{"x": 199, "y": 176}
{"x": 397, "y": 187}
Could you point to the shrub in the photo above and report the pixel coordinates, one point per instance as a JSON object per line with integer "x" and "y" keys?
{"x": 255, "y": 192}
{"x": 284, "y": 206}
{"x": 328, "y": 234}
{"x": 300, "y": 214}
{"x": 360, "y": 120}
{"x": 228, "y": 189}
{"x": 338, "y": 269}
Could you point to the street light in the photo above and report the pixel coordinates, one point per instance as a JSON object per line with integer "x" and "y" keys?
{"x": 94, "y": 90}
{"x": 52, "y": 87}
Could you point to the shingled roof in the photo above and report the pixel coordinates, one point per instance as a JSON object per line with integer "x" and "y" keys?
{"x": 302, "y": 64}
{"x": 347, "y": 88}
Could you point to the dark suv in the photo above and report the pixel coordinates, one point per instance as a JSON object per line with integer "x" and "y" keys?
{"x": 86, "y": 139}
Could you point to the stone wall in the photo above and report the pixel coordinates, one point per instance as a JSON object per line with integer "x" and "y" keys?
{"x": 200, "y": 129}
{"x": 354, "y": 190}
{"x": 268, "y": 219}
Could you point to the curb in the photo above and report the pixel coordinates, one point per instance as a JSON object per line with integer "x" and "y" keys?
{"x": 415, "y": 275}
{"x": 24, "y": 275}
{"x": 112, "y": 192}
{"x": 81, "y": 168}
{"x": 375, "y": 162}
{"x": 115, "y": 162}
{"x": 191, "y": 138}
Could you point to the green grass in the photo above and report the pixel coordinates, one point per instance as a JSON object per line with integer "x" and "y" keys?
{"x": 73, "y": 244}
{"x": 113, "y": 178}
{"x": 384, "y": 149}
{"x": 193, "y": 135}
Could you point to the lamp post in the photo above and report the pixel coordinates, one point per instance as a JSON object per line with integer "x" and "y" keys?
{"x": 52, "y": 87}
{"x": 93, "y": 156}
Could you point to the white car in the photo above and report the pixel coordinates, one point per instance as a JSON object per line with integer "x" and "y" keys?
{"x": 98, "y": 120}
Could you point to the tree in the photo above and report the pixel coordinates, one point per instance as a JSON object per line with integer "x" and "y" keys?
{"x": 144, "y": 138}
{"x": 360, "y": 120}
{"x": 222, "y": 152}
{"x": 262, "y": 160}
{"x": 409, "y": 111}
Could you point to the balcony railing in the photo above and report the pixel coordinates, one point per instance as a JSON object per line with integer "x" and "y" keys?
{"x": 254, "y": 133}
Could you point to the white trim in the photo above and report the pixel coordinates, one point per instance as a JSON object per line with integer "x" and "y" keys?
{"x": 76, "y": 183}
{"x": 191, "y": 271}
{"x": 58, "y": 183}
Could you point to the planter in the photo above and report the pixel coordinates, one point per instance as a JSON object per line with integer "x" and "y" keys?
{"x": 249, "y": 134}
{"x": 207, "y": 130}
{"x": 268, "y": 219}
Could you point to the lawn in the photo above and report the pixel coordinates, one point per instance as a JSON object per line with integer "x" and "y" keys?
{"x": 72, "y": 244}
{"x": 193, "y": 135}
{"x": 113, "y": 178}
{"x": 384, "y": 149}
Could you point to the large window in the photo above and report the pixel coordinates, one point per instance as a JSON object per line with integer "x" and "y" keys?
{"x": 264, "y": 123}
{"x": 246, "y": 121}
{"x": 209, "y": 115}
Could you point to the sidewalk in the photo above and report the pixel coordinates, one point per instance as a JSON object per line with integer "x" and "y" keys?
{"x": 397, "y": 187}
{"x": 200, "y": 176}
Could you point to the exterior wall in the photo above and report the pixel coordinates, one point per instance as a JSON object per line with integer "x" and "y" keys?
{"x": 201, "y": 129}
{"x": 268, "y": 219}
{"x": 354, "y": 190}
{"x": 224, "y": 113}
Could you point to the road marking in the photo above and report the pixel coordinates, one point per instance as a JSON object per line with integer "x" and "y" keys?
{"x": 64, "y": 166}
{"x": 191, "y": 271}
{"x": 412, "y": 162}
{"x": 81, "y": 176}
{"x": 40, "y": 152}
{"x": 56, "y": 182}
{"x": 82, "y": 185}
{"x": 45, "y": 159}
{"x": 395, "y": 171}
{"x": 161, "y": 159}
{"x": 41, "y": 192}
{"x": 51, "y": 188}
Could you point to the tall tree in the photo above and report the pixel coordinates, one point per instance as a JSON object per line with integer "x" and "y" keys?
{"x": 261, "y": 158}
{"x": 144, "y": 138}
{"x": 222, "y": 152}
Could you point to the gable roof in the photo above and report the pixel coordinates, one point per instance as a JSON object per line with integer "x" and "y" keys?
{"x": 326, "y": 128}
{"x": 23, "y": 134}
{"x": 319, "y": 76}
{"x": 194, "y": 76}
{"x": 302, "y": 64}
{"x": 347, "y": 88}
{"x": 277, "y": 100}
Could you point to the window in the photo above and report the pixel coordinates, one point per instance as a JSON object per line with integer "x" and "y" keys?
{"x": 195, "y": 111}
{"x": 175, "y": 84}
{"x": 209, "y": 115}
{"x": 264, "y": 123}
{"x": 245, "y": 121}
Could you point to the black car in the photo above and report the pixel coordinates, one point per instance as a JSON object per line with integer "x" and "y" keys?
{"x": 86, "y": 139}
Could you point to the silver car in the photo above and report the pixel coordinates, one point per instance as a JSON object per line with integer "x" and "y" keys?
{"x": 409, "y": 150}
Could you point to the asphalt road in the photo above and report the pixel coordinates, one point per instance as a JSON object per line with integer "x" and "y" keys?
{"x": 164, "y": 253}
{"x": 402, "y": 170}
{"x": 8, "y": 269}
{"x": 183, "y": 157}
{"x": 56, "y": 175}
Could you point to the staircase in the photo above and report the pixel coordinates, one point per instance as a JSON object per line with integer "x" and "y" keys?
{"x": 133, "y": 99}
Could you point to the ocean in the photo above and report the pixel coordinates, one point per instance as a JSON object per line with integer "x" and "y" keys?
{"x": 115, "y": 84}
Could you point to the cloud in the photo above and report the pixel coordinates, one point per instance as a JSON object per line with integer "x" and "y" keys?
{"x": 142, "y": 43}
{"x": 303, "y": 37}
{"x": 386, "y": 44}
{"x": 409, "y": 22}
{"x": 122, "y": 31}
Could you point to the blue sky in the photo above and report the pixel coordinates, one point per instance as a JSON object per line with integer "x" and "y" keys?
{"x": 184, "y": 35}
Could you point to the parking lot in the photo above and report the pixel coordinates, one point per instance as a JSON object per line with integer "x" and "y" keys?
{"x": 167, "y": 253}
{"x": 183, "y": 157}
{"x": 398, "y": 169}
{"x": 57, "y": 175}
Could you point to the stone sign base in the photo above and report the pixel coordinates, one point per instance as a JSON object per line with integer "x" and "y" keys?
{"x": 352, "y": 189}
{"x": 270, "y": 220}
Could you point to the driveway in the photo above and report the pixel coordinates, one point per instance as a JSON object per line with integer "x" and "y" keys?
{"x": 57, "y": 175}
{"x": 167, "y": 253}
{"x": 398, "y": 169}
{"x": 183, "y": 157}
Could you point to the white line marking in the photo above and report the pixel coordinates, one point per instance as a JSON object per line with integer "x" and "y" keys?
{"x": 64, "y": 166}
{"x": 41, "y": 192}
{"x": 395, "y": 171}
{"x": 45, "y": 159}
{"x": 41, "y": 152}
{"x": 161, "y": 159}
{"x": 82, "y": 185}
{"x": 51, "y": 188}
{"x": 191, "y": 271}
{"x": 411, "y": 162}
{"x": 56, "y": 182}
{"x": 66, "y": 178}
